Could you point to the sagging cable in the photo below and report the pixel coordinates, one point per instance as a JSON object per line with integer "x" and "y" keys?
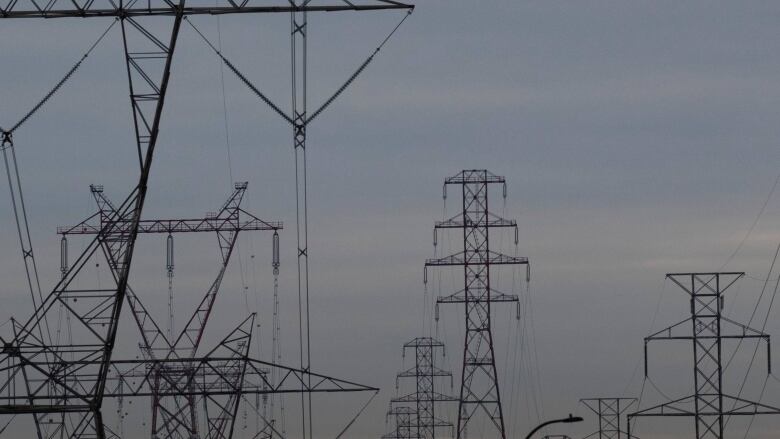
{"x": 59, "y": 84}
{"x": 359, "y": 70}
{"x": 241, "y": 76}
{"x": 357, "y": 415}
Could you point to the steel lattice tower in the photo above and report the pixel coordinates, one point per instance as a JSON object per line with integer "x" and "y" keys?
{"x": 479, "y": 379}
{"x": 424, "y": 372}
{"x": 404, "y": 419}
{"x": 227, "y": 222}
{"x": 609, "y": 411}
{"x": 708, "y": 328}
{"x": 47, "y": 378}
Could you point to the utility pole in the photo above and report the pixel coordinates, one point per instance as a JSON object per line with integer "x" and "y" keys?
{"x": 425, "y": 397}
{"x": 479, "y": 389}
{"x": 609, "y": 411}
{"x": 706, "y": 328}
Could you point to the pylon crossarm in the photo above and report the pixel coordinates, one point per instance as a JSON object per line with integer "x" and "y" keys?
{"x": 672, "y": 408}
{"x": 87, "y": 9}
{"x": 224, "y": 220}
{"x": 495, "y": 296}
{"x": 432, "y": 371}
{"x": 669, "y": 332}
{"x": 414, "y": 397}
{"x": 269, "y": 225}
{"x": 428, "y": 342}
{"x": 474, "y": 176}
{"x": 491, "y": 257}
{"x": 137, "y": 378}
{"x": 491, "y": 220}
{"x": 293, "y": 380}
{"x": 613, "y": 403}
{"x": 743, "y": 407}
{"x": 704, "y": 281}
{"x": 741, "y": 330}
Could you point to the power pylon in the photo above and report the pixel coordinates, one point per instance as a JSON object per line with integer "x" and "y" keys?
{"x": 425, "y": 397}
{"x": 403, "y": 421}
{"x": 479, "y": 389}
{"x": 226, "y": 223}
{"x": 609, "y": 412}
{"x": 707, "y": 331}
{"x": 39, "y": 372}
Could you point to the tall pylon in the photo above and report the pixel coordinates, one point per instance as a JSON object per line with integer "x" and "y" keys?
{"x": 479, "y": 387}
{"x": 708, "y": 329}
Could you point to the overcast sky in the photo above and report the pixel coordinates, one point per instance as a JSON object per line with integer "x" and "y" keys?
{"x": 637, "y": 138}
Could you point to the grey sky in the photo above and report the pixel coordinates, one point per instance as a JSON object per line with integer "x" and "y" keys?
{"x": 637, "y": 138}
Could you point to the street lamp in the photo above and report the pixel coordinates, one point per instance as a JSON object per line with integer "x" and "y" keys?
{"x": 570, "y": 420}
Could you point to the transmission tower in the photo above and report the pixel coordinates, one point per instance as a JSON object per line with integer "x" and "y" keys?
{"x": 479, "y": 390}
{"x": 404, "y": 419}
{"x": 425, "y": 397}
{"x": 706, "y": 328}
{"x": 40, "y": 373}
{"x": 609, "y": 412}
{"x": 226, "y": 223}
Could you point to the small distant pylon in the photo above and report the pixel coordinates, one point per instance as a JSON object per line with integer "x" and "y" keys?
{"x": 404, "y": 418}
{"x": 425, "y": 397}
{"x": 609, "y": 412}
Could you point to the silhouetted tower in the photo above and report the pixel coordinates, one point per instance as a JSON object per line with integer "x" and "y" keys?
{"x": 708, "y": 329}
{"x": 479, "y": 379}
{"x": 425, "y": 374}
{"x": 609, "y": 411}
{"x": 404, "y": 419}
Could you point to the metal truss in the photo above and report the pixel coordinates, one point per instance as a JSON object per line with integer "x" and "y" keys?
{"x": 425, "y": 397}
{"x": 70, "y": 379}
{"x": 225, "y": 371}
{"x": 227, "y": 222}
{"x": 479, "y": 390}
{"x": 403, "y": 420}
{"x": 138, "y": 8}
{"x": 66, "y": 380}
{"x": 609, "y": 412}
{"x": 708, "y": 328}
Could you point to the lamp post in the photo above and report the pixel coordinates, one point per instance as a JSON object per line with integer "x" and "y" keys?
{"x": 570, "y": 420}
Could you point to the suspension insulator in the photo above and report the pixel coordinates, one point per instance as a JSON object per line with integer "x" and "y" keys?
{"x": 444, "y": 192}
{"x": 504, "y": 190}
{"x": 435, "y": 237}
{"x": 518, "y": 311}
{"x": 425, "y": 275}
{"x": 63, "y": 255}
{"x": 517, "y": 236}
{"x": 169, "y": 254}
{"x": 275, "y": 262}
{"x": 528, "y": 272}
{"x": 436, "y": 312}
